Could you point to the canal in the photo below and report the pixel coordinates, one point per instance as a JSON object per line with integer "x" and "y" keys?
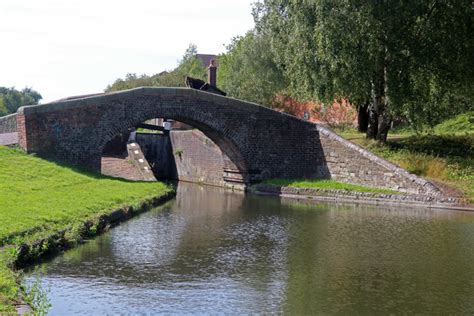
{"x": 215, "y": 251}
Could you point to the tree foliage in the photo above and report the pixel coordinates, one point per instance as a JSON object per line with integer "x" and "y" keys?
{"x": 411, "y": 58}
{"x": 389, "y": 58}
{"x": 188, "y": 65}
{"x": 248, "y": 71}
{"x": 11, "y": 99}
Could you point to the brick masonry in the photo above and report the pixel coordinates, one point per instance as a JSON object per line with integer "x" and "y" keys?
{"x": 8, "y": 139}
{"x": 188, "y": 155}
{"x": 131, "y": 166}
{"x": 348, "y": 162}
{"x": 197, "y": 158}
{"x": 8, "y": 124}
{"x": 259, "y": 143}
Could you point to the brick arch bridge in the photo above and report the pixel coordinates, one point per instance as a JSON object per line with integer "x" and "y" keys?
{"x": 257, "y": 142}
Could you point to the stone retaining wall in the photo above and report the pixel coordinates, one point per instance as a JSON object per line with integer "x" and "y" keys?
{"x": 350, "y": 163}
{"x": 337, "y": 194}
{"x": 8, "y": 124}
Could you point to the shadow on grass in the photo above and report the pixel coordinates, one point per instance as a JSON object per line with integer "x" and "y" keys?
{"x": 82, "y": 170}
{"x": 436, "y": 145}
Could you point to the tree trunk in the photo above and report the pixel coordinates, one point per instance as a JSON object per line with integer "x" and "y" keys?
{"x": 379, "y": 113}
{"x": 373, "y": 121}
{"x": 363, "y": 118}
{"x": 385, "y": 117}
{"x": 385, "y": 122}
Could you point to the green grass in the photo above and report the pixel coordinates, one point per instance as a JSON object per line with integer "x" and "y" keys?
{"x": 38, "y": 198}
{"x": 148, "y": 131}
{"x": 446, "y": 157}
{"x": 8, "y": 286}
{"x": 325, "y": 184}
{"x": 463, "y": 123}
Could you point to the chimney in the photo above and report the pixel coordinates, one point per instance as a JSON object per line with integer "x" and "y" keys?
{"x": 212, "y": 73}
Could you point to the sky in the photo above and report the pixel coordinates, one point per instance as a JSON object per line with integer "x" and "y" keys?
{"x": 63, "y": 48}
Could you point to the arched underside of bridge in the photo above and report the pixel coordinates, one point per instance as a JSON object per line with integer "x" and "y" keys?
{"x": 260, "y": 143}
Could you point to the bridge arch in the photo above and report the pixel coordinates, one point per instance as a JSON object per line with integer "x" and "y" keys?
{"x": 232, "y": 157}
{"x": 259, "y": 142}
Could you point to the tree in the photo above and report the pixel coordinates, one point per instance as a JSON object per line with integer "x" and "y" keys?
{"x": 11, "y": 99}
{"x": 3, "y": 108}
{"x": 188, "y": 65}
{"x": 247, "y": 70}
{"x": 390, "y": 56}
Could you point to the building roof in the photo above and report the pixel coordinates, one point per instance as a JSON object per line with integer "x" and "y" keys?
{"x": 206, "y": 58}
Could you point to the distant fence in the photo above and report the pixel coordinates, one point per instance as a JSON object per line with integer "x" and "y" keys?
{"x": 8, "y": 124}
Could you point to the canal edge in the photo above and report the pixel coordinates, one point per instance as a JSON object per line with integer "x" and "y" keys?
{"x": 31, "y": 253}
{"x": 355, "y": 197}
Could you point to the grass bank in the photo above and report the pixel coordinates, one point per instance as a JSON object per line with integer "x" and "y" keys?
{"x": 39, "y": 198}
{"x": 444, "y": 155}
{"x": 325, "y": 184}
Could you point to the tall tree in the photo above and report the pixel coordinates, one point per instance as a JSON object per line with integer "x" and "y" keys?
{"x": 392, "y": 56}
{"x": 247, "y": 70}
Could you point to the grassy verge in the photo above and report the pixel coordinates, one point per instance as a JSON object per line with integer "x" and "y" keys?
{"x": 40, "y": 198}
{"x": 446, "y": 155}
{"x": 8, "y": 285}
{"x": 448, "y": 160}
{"x": 325, "y": 184}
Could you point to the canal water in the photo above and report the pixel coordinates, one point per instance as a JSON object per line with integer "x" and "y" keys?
{"x": 214, "y": 251}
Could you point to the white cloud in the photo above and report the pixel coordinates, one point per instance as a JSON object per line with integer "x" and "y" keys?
{"x": 63, "y": 48}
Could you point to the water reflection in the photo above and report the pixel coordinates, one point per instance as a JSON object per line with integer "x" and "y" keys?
{"x": 212, "y": 250}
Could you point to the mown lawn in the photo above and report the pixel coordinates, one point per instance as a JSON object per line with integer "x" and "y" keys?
{"x": 38, "y": 197}
{"x": 325, "y": 184}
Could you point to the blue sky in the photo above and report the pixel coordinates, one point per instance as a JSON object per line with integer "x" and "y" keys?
{"x": 63, "y": 48}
